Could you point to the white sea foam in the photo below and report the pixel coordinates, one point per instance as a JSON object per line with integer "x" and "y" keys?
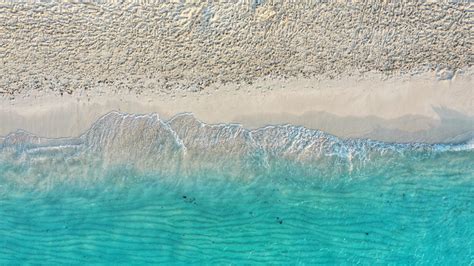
{"x": 184, "y": 147}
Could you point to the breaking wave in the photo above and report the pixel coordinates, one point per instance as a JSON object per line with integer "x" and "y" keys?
{"x": 185, "y": 146}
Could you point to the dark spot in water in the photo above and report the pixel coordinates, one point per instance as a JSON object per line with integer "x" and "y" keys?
{"x": 189, "y": 199}
{"x": 251, "y": 213}
{"x": 403, "y": 195}
{"x": 280, "y": 221}
{"x": 366, "y": 233}
{"x": 381, "y": 194}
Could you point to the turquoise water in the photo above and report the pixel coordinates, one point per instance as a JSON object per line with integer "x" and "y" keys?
{"x": 137, "y": 189}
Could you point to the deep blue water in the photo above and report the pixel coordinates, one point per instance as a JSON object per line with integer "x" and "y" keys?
{"x": 138, "y": 190}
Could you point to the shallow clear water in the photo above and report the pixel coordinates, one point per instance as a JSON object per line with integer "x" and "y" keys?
{"x": 281, "y": 199}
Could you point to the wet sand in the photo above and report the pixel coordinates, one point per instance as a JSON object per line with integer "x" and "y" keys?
{"x": 419, "y": 108}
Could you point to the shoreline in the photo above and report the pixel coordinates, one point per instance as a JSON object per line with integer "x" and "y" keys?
{"x": 398, "y": 109}
{"x": 390, "y": 71}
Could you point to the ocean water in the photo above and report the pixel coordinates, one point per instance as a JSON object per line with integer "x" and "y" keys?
{"x": 136, "y": 189}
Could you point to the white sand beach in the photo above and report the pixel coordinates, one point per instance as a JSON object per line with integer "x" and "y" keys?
{"x": 389, "y": 71}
